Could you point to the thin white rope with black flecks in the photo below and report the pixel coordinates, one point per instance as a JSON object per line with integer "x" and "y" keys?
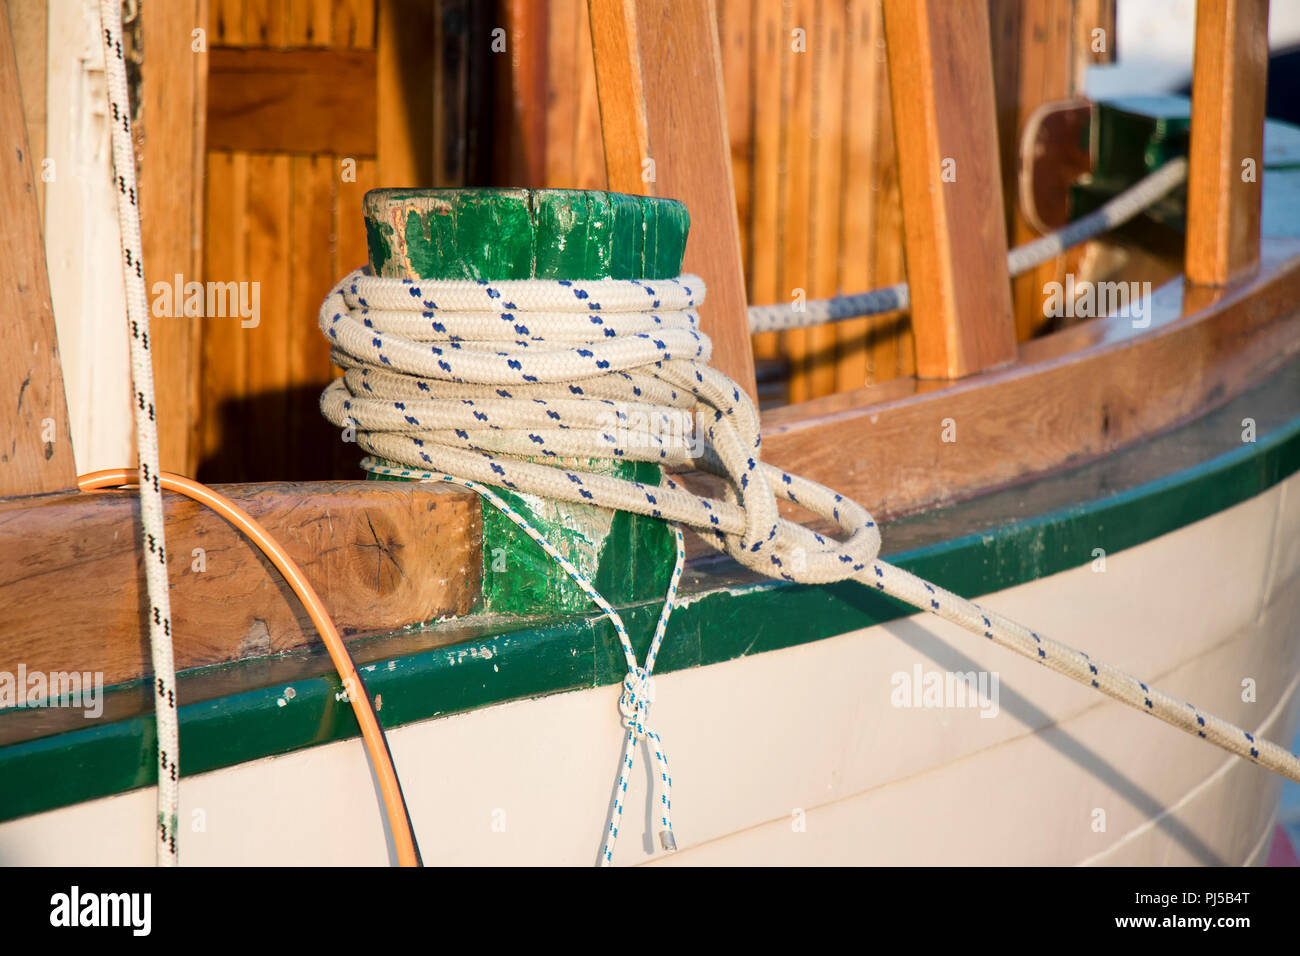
{"x": 465, "y": 378}
{"x": 1117, "y": 211}
{"x": 146, "y": 432}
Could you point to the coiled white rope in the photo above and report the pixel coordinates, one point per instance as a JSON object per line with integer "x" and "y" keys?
{"x": 146, "y": 437}
{"x": 512, "y": 383}
{"x": 1115, "y": 212}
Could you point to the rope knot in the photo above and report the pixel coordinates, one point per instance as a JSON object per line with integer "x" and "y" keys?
{"x": 635, "y": 700}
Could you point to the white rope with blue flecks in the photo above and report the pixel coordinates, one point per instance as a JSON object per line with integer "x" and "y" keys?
{"x": 513, "y": 384}
{"x": 146, "y": 436}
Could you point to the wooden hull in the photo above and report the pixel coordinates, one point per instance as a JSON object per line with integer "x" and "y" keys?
{"x": 802, "y": 755}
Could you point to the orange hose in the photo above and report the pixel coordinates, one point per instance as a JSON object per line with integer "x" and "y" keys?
{"x": 394, "y": 804}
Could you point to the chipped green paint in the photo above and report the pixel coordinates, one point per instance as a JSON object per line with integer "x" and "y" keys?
{"x": 379, "y": 240}
{"x": 497, "y": 234}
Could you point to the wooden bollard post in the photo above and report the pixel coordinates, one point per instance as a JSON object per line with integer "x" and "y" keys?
{"x": 499, "y": 234}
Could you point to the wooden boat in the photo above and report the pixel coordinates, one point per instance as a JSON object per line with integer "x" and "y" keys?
{"x": 1125, "y": 483}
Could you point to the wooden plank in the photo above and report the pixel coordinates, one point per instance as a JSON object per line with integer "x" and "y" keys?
{"x": 308, "y": 436}
{"x": 81, "y": 243}
{"x": 519, "y": 134}
{"x": 828, "y": 206}
{"x": 941, "y": 79}
{"x": 404, "y": 95}
{"x": 1073, "y": 396}
{"x": 1031, "y": 43}
{"x": 263, "y": 409}
{"x": 172, "y": 89}
{"x": 223, "y": 353}
{"x": 735, "y": 35}
{"x": 362, "y": 545}
{"x": 265, "y": 23}
{"x": 770, "y": 63}
{"x": 29, "y": 21}
{"x": 891, "y": 342}
{"x": 1091, "y": 47}
{"x": 36, "y": 452}
{"x": 309, "y": 23}
{"x": 354, "y": 24}
{"x": 796, "y": 184}
{"x": 562, "y": 18}
{"x": 861, "y": 98}
{"x": 292, "y": 101}
{"x": 225, "y": 22}
{"x": 575, "y": 157}
{"x": 660, "y": 81}
{"x": 1223, "y": 195}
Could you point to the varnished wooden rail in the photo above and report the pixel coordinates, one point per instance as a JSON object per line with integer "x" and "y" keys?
{"x": 1226, "y": 167}
{"x": 664, "y": 122}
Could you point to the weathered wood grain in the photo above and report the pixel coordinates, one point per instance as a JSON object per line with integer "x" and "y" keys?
{"x": 941, "y": 81}
{"x": 35, "y": 442}
{"x": 381, "y": 555}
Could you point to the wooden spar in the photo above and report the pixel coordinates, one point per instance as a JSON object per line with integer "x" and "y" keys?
{"x": 36, "y": 450}
{"x": 173, "y": 85}
{"x": 1226, "y": 167}
{"x": 941, "y": 81}
{"x": 664, "y": 122}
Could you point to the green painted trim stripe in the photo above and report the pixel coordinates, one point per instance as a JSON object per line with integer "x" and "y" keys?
{"x": 582, "y": 652}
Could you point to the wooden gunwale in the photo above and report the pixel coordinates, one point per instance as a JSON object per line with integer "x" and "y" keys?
{"x": 1078, "y": 394}
{"x": 240, "y": 712}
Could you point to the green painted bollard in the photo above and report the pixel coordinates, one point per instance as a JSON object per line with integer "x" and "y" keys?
{"x": 498, "y": 234}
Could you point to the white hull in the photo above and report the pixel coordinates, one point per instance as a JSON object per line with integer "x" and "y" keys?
{"x": 799, "y": 756}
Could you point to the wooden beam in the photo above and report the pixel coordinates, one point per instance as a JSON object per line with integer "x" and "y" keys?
{"x": 404, "y": 104}
{"x": 35, "y": 442}
{"x": 1226, "y": 168}
{"x": 659, "y": 75}
{"x": 1072, "y": 396}
{"x": 381, "y": 555}
{"x": 173, "y": 81}
{"x": 941, "y": 82}
{"x": 292, "y": 101}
